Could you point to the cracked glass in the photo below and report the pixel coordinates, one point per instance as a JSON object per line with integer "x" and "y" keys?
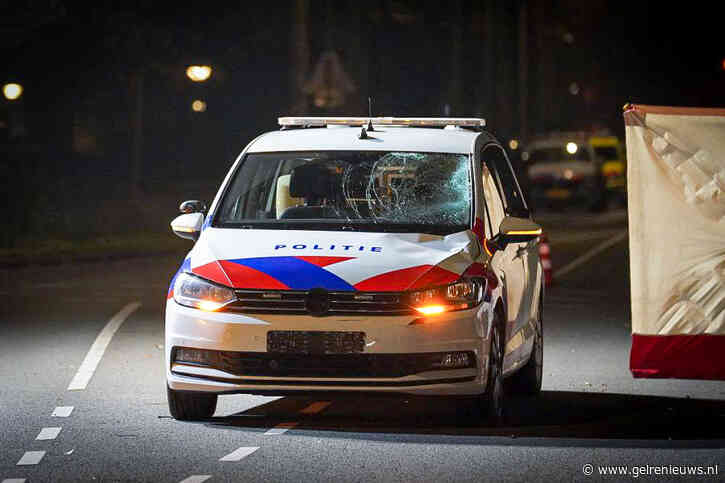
{"x": 356, "y": 190}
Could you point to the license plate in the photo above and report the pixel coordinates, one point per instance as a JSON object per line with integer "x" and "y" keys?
{"x": 559, "y": 194}
{"x": 315, "y": 342}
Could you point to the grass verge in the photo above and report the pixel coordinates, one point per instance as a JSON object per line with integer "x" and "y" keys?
{"x": 54, "y": 251}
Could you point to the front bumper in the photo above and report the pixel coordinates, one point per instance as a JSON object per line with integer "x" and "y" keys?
{"x": 388, "y": 340}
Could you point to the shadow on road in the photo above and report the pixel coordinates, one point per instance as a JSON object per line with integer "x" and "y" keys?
{"x": 561, "y": 418}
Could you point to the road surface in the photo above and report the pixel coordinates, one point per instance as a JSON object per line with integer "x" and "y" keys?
{"x": 118, "y": 428}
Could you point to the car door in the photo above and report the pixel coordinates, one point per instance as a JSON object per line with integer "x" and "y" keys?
{"x": 506, "y": 265}
{"x": 523, "y": 256}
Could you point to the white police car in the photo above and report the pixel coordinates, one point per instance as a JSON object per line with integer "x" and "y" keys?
{"x": 381, "y": 255}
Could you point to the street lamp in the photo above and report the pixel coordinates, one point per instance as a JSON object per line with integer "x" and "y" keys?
{"x": 198, "y": 73}
{"x": 198, "y": 106}
{"x": 12, "y": 91}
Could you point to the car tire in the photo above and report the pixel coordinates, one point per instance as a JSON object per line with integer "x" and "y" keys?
{"x": 527, "y": 380}
{"x": 493, "y": 399}
{"x": 190, "y": 406}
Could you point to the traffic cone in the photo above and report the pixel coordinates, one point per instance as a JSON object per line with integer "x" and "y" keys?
{"x": 545, "y": 257}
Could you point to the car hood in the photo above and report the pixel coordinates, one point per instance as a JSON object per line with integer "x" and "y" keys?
{"x": 336, "y": 261}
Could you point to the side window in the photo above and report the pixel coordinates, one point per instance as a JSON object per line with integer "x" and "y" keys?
{"x": 506, "y": 182}
{"x": 494, "y": 206}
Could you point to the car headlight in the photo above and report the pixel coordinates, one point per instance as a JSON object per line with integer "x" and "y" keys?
{"x": 460, "y": 295}
{"x": 196, "y": 292}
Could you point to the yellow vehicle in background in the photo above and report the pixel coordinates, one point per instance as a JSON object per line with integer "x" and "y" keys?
{"x": 614, "y": 166}
{"x": 575, "y": 169}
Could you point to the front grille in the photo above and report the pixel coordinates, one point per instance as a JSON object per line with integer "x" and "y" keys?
{"x": 296, "y": 302}
{"x": 328, "y": 365}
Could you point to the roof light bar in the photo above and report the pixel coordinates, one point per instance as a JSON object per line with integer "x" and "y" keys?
{"x": 382, "y": 121}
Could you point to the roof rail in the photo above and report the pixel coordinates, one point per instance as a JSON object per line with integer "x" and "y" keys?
{"x": 470, "y": 122}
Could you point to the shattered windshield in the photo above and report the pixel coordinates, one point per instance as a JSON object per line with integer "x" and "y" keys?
{"x": 350, "y": 190}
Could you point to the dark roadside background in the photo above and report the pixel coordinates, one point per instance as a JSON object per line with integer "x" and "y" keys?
{"x": 103, "y": 144}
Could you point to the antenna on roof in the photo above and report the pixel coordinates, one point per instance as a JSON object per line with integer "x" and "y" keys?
{"x": 370, "y": 114}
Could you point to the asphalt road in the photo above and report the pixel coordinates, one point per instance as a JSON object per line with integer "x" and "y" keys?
{"x": 591, "y": 410}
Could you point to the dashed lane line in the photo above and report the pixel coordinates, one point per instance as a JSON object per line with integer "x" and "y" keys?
{"x": 80, "y": 381}
{"x": 95, "y": 353}
{"x": 315, "y": 407}
{"x": 14, "y": 480}
{"x": 195, "y": 479}
{"x": 48, "y": 433}
{"x": 239, "y": 453}
{"x": 596, "y": 250}
{"x": 62, "y": 411}
{"x": 281, "y": 428}
{"x": 31, "y": 458}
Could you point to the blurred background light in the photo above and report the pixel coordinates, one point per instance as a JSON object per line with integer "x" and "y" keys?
{"x": 12, "y": 91}
{"x": 514, "y": 144}
{"x": 571, "y": 148}
{"x": 198, "y": 73}
{"x": 198, "y": 105}
{"x": 573, "y": 88}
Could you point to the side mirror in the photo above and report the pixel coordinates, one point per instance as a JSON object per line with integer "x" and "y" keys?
{"x": 192, "y": 206}
{"x": 515, "y": 230}
{"x": 188, "y": 225}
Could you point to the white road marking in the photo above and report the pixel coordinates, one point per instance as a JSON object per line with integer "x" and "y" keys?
{"x": 62, "y": 411}
{"x": 48, "y": 433}
{"x": 577, "y": 262}
{"x": 31, "y": 458}
{"x": 315, "y": 407}
{"x": 95, "y": 353}
{"x": 14, "y": 480}
{"x": 240, "y": 453}
{"x": 195, "y": 479}
{"x": 281, "y": 428}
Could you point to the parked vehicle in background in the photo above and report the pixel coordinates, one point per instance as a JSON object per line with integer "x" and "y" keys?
{"x": 575, "y": 169}
{"x": 610, "y": 150}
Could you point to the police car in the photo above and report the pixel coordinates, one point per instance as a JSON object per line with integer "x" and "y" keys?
{"x": 382, "y": 255}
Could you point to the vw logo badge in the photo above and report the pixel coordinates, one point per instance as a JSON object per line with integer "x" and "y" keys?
{"x": 317, "y": 302}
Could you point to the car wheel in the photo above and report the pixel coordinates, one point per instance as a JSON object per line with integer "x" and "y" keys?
{"x": 527, "y": 380}
{"x": 493, "y": 399}
{"x": 190, "y": 406}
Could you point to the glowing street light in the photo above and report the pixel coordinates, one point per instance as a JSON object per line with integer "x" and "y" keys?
{"x": 198, "y": 106}
{"x": 571, "y": 148}
{"x": 12, "y": 91}
{"x": 198, "y": 73}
